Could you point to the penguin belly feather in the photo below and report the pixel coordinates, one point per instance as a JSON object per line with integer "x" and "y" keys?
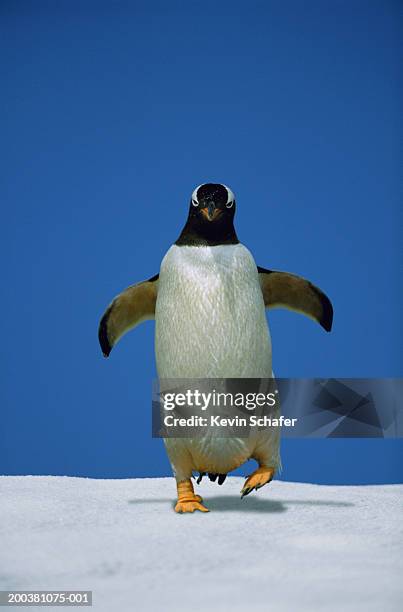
{"x": 211, "y": 323}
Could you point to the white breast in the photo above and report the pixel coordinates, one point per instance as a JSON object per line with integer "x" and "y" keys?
{"x": 210, "y": 315}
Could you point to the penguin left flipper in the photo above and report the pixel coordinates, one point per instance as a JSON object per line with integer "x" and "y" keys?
{"x": 131, "y": 307}
{"x": 281, "y": 289}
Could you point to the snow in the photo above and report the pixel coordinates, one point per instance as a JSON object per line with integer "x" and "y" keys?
{"x": 288, "y": 547}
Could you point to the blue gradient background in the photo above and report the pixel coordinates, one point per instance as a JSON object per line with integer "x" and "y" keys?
{"x": 111, "y": 113}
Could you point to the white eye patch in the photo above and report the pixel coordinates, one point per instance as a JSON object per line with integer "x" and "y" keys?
{"x": 195, "y": 201}
{"x": 231, "y": 197}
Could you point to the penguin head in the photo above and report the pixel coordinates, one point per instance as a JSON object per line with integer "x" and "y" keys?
{"x": 210, "y": 220}
{"x": 212, "y": 203}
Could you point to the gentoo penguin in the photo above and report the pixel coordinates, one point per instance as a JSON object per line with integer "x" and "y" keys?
{"x": 209, "y": 303}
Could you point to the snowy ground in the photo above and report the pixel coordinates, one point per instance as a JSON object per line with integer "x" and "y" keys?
{"x": 288, "y": 547}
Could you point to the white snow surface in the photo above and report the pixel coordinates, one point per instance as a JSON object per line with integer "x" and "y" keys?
{"x": 287, "y": 547}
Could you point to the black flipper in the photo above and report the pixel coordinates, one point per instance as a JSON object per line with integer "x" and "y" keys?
{"x": 131, "y": 307}
{"x": 284, "y": 290}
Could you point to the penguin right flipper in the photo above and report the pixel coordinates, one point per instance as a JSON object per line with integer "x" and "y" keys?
{"x": 281, "y": 289}
{"x": 131, "y": 307}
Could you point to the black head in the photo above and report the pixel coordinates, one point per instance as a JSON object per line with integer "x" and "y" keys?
{"x": 211, "y": 217}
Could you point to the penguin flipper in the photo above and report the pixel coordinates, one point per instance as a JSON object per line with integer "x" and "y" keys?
{"x": 131, "y": 307}
{"x": 281, "y": 289}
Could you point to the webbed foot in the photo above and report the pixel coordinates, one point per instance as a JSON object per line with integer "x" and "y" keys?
{"x": 189, "y": 505}
{"x": 257, "y": 479}
{"x": 188, "y": 501}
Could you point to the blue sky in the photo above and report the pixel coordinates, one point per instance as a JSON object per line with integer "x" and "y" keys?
{"x": 111, "y": 113}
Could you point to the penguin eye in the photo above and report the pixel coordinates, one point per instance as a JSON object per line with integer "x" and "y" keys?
{"x": 195, "y": 203}
{"x": 230, "y": 204}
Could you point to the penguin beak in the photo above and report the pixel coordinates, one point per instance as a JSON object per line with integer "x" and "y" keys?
{"x": 210, "y": 212}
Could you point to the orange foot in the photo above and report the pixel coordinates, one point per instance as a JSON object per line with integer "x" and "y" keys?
{"x": 190, "y": 505}
{"x": 257, "y": 479}
{"x": 187, "y": 500}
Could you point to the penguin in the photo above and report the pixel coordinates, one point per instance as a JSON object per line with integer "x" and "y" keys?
{"x": 209, "y": 302}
